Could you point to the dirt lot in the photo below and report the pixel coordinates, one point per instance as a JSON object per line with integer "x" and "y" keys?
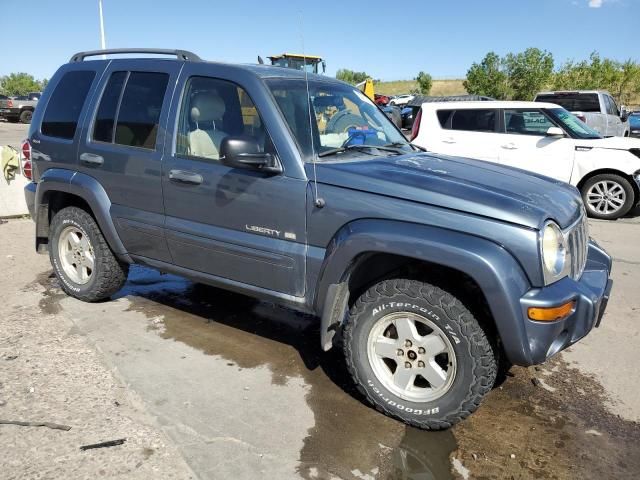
{"x": 208, "y": 384}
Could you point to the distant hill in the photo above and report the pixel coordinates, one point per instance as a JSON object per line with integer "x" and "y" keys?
{"x": 440, "y": 87}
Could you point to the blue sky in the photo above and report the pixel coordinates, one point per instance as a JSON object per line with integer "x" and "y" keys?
{"x": 388, "y": 40}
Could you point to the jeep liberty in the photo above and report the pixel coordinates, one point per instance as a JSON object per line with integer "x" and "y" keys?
{"x": 428, "y": 271}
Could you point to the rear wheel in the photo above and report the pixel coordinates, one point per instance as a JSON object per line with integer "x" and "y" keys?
{"x": 83, "y": 262}
{"x": 608, "y": 196}
{"x": 418, "y": 354}
{"x": 25, "y": 116}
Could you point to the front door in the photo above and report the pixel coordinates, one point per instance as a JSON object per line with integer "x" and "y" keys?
{"x": 240, "y": 225}
{"x": 525, "y": 144}
{"x": 615, "y": 127}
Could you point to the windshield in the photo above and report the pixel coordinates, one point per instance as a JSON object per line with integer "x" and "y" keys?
{"x": 344, "y": 121}
{"x": 634, "y": 119}
{"x": 574, "y": 126}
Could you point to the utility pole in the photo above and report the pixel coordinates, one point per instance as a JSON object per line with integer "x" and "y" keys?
{"x": 103, "y": 44}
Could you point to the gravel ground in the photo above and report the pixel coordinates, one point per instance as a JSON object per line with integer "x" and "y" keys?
{"x": 49, "y": 372}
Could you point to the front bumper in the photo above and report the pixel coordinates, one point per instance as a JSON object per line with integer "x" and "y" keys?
{"x": 591, "y": 294}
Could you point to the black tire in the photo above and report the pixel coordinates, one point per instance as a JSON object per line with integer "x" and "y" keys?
{"x": 25, "y": 116}
{"x": 630, "y": 195}
{"x": 108, "y": 275}
{"x": 476, "y": 366}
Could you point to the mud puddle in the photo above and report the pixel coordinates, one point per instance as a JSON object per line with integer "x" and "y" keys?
{"x": 540, "y": 423}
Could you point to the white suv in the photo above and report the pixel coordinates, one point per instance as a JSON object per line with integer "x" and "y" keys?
{"x": 540, "y": 137}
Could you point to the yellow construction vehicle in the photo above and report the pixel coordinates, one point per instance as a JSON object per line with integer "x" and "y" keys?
{"x": 366, "y": 87}
{"x": 298, "y": 62}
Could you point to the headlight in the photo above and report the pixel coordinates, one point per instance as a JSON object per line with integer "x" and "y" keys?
{"x": 553, "y": 247}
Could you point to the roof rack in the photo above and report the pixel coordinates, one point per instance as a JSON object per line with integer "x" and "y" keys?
{"x": 181, "y": 54}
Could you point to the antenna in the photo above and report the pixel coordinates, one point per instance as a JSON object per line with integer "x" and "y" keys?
{"x": 318, "y": 202}
{"x": 103, "y": 44}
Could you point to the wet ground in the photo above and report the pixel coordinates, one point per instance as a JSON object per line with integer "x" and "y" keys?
{"x": 237, "y": 370}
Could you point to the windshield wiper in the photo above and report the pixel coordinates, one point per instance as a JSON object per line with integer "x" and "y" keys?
{"x": 402, "y": 144}
{"x": 333, "y": 151}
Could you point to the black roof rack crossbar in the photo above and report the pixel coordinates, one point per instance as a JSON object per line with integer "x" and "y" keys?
{"x": 181, "y": 54}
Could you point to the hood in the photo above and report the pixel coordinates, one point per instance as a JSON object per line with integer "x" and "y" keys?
{"x": 474, "y": 186}
{"x": 616, "y": 143}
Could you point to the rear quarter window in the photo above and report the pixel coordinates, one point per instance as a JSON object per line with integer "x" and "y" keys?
{"x": 63, "y": 109}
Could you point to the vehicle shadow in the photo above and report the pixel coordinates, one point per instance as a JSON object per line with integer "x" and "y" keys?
{"x": 348, "y": 434}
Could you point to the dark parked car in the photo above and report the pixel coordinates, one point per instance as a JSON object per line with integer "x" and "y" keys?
{"x": 432, "y": 270}
{"x": 408, "y": 114}
{"x": 634, "y": 124}
{"x": 393, "y": 113}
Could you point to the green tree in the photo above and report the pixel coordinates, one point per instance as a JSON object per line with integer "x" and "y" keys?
{"x": 19, "y": 84}
{"x": 528, "y": 72}
{"x": 350, "y": 76}
{"x": 621, "y": 79}
{"x": 424, "y": 82}
{"x": 488, "y": 78}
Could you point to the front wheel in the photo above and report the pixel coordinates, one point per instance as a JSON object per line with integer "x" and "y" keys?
{"x": 417, "y": 354}
{"x": 608, "y": 196}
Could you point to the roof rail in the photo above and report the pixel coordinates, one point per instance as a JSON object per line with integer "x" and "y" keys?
{"x": 181, "y": 54}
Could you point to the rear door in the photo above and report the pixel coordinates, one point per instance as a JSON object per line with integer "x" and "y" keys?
{"x": 240, "y": 225}
{"x": 123, "y": 145}
{"x": 468, "y": 133}
{"x": 525, "y": 144}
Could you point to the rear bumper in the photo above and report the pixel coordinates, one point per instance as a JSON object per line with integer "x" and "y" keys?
{"x": 30, "y": 197}
{"x": 9, "y": 112}
{"x": 591, "y": 294}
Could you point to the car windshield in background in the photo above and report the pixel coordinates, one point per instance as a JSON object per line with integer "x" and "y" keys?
{"x": 344, "y": 120}
{"x": 571, "y": 123}
{"x": 574, "y": 102}
{"x": 634, "y": 120}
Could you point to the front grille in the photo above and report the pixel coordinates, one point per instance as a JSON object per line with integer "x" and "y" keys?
{"x": 578, "y": 242}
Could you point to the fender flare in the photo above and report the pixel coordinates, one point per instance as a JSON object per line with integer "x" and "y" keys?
{"x": 493, "y": 268}
{"x": 86, "y": 188}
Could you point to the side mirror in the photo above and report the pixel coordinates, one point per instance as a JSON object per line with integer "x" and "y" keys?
{"x": 624, "y": 115}
{"x": 244, "y": 152}
{"x": 555, "y": 132}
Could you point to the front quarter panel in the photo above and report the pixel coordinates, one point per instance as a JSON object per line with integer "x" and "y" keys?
{"x": 593, "y": 159}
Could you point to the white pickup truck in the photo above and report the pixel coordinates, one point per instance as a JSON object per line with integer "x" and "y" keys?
{"x": 19, "y": 108}
{"x": 596, "y": 108}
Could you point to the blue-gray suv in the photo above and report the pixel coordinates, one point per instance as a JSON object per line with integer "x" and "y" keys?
{"x": 295, "y": 188}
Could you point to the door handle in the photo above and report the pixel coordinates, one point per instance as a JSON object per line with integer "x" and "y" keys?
{"x": 91, "y": 159}
{"x": 510, "y": 146}
{"x": 180, "y": 176}
{"x": 448, "y": 140}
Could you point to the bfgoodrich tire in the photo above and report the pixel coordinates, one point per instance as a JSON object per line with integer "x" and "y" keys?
{"x": 608, "y": 196}
{"x": 81, "y": 258}
{"x": 417, "y": 354}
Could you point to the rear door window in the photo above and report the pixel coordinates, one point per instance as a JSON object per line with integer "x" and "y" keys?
{"x": 139, "y": 111}
{"x": 106, "y": 116}
{"x": 129, "y": 110}
{"x": 66, "y": 102}
{"x": 472, "y": 120}
{"x": 574, "y": 102}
